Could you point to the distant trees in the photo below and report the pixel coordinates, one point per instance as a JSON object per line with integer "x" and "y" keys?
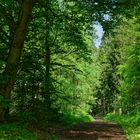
{"x": 108, "y": 79}
{"x": 117, "y": 87}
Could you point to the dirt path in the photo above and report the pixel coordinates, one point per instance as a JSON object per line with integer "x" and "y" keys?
{"x": 98, "y": 130}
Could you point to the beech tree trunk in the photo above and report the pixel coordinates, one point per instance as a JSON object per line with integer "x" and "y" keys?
{"x": 10, "y": 72}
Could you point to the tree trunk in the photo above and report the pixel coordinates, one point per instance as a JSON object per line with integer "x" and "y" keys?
{"x": 48, "y": 84}
{"x": 47, "y": 79}
{"x": 9, "y": 74}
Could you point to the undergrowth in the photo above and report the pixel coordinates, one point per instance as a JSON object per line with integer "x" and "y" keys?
{"x": 70, "y": 120}
{"x": 10, "y": 131}
{"x": 130, "y": 123}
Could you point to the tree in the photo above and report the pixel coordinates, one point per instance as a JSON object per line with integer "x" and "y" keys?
{"x": 57, "y": 44}
{"x": 129, "y": 67}
{"x": 108, "y": 79}
{"x": 16, "y": 45}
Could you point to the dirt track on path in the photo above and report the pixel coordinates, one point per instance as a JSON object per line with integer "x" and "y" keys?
{"x": 97, "y": 130}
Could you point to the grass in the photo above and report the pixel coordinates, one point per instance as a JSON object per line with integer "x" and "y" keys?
{"x": 10, "y": 131}
{"x": 130, "y": 123}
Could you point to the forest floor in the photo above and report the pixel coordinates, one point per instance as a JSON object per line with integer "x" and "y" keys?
{"x": 97, "y": 130}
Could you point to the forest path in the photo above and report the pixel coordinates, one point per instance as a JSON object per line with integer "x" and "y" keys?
{"x": 97, "y": 130}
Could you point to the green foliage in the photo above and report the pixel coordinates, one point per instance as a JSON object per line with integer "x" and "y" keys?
{"x": 67, "y": 38}
{"x": 107, "y": 78}
{"x": 73, "y": 119}
{"x": 15, "y": 132}
{"x": 129, "y": 67}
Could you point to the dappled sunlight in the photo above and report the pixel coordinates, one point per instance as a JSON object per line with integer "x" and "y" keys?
{"x": 98, "y": 129}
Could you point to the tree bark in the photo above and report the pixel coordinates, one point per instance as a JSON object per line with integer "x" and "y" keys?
{"x": 10, "y": 72}
{"x": 47, "y": 60}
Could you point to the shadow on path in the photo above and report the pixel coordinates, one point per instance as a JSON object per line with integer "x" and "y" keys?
{"x": 97, "y": 130}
